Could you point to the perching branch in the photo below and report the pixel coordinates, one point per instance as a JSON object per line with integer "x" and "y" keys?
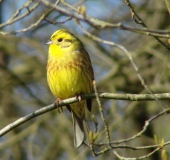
{"x": 131, "y": 97}
{"x": 127, "y": 54}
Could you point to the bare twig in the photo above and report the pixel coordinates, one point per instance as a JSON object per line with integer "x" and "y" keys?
{"x": 102, "y": 24}
{"x": 60, "y": 22}
{"x": 138, "y": 20}
{"x": 147, "y": 123}
{"x": 167, "y": 3}
{"x": 35, "y": 24}
{"x": 139, "y": 158}
{"x": 102, "y": 115}
{"x": 128, "y": 55}
{"x": 16, "y": 18}
{"x": 90, "y": 20}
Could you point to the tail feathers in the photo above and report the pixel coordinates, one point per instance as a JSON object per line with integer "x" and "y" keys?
{"x": 80, "y": 130}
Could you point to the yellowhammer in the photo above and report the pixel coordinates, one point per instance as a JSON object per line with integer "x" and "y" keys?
{"x": 69, "y": 74}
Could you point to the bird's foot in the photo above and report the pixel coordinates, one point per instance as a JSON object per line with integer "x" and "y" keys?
{"x": 79, "y": 97}
{"x": 60, "y": 109}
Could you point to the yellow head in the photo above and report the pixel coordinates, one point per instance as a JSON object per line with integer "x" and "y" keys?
{"x": 62, "y": 42}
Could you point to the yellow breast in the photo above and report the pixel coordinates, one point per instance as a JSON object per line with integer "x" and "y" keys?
{"x": 69, "y": 70}
{"x": 68, "y": 76}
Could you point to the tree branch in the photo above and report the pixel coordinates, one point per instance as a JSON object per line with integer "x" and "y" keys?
{"x": 138, "y": 20}
{"x": 102, "y": 24}
{"x": 131, "y": 97}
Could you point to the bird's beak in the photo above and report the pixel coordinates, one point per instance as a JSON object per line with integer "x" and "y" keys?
{"x": 49, "y": 42}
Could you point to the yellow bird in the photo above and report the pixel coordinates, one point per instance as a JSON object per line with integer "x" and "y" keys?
{"x": 69, "y": 74}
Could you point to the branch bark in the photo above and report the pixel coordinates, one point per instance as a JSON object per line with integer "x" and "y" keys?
{"x": 130, "y": 97}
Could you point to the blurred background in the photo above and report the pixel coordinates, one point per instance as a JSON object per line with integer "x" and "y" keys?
{"x": 24, "y": 89}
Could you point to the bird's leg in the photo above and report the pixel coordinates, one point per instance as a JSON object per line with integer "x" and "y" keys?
{"x": 79, "y": 97}
{"x": 60, "y": 109}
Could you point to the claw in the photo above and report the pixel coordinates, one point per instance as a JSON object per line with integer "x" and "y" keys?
{"x": 60, "y": 109}
{"x": 79, "y": 96}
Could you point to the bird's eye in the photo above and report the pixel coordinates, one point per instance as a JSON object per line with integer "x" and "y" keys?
{"x": 60, "y": 40}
